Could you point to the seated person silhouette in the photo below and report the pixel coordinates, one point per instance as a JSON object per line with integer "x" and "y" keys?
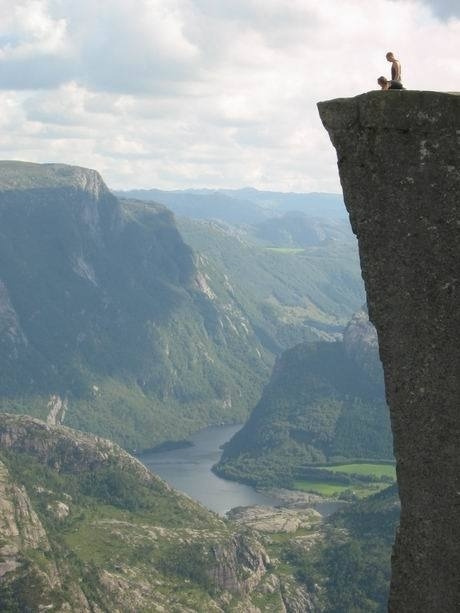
{"x": 385, "y": 84}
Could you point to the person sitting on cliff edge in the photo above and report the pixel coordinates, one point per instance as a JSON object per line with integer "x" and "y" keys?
{"x": 385, "y": 84}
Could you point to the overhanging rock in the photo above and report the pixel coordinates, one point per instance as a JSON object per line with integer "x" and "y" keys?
{"x": 399, "y": 164}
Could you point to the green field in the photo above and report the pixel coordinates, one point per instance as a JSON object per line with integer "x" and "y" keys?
{"x": 374, "y": 470}
{"x": 360, "y": 488}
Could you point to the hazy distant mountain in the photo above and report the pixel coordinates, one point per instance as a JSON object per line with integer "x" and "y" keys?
{"x": 315, "y": 204}
{"x": 243, "y": 206}
{"x": 209, "y": 205}
{"x": 296, "y": 229}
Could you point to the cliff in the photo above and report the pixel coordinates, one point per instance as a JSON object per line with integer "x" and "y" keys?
{"x": 106, "y": 321}
{"x": 398, "y": 158}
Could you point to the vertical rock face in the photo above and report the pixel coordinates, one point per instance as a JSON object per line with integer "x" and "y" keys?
{"x": 399, "y": 164}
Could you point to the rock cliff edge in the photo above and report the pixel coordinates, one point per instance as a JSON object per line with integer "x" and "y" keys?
{"x": 398, "y": 158}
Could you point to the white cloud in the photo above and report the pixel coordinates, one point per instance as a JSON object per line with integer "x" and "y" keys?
{"x": 172, "y": 93}
{"x": 29, "y": 29}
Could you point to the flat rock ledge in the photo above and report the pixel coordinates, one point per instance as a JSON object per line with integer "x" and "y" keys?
{"x": 399, "y": 164}
{"x": 275, "y": 519}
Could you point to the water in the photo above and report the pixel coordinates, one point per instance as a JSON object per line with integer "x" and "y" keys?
{"x": 189, "y": 470}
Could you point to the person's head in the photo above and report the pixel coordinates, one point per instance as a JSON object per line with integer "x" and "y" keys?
{"x": 384, "y": 84}
{"x": 390, "y": 56}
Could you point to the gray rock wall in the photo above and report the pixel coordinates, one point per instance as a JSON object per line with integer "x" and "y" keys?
{"x": 399, "y": 164}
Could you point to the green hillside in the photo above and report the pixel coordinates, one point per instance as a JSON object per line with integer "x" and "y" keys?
{"x": 288, "y": 295}
{"x": 325, "y": 403}
{"x": 348, "y": 566}
{"x": 295, "y": 229}
{"x": 85, "y": 527}
{"x": 105, "y": 320}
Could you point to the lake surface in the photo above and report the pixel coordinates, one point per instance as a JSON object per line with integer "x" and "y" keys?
{"x": 189, "y": 470}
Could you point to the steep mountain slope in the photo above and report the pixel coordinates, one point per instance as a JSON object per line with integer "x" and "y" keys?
{"x": 288, "y": 295}
{"x": 105, "y": 319}
{"x": 324, "y": 402}
{"x": 86, "y": 527}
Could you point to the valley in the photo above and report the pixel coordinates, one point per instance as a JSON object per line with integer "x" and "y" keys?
{"x": 84, "y": 527}
{"x": 229, "y": 306}
{"x": 189, "y": 470}
{"x": 118, "y": 320}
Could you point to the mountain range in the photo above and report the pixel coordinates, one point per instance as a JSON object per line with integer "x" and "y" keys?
{"x": 111, "y": 323}
{"x": 242, "y": 206}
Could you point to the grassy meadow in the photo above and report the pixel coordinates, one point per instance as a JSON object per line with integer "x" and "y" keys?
{"x": 364, "y": 479}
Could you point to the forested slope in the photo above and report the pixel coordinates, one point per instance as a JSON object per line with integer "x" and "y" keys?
{"x": 325, "y": 402}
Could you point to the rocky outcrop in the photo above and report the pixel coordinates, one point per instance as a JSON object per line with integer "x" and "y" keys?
{"x": 57, "y": 410}
{"x": 12, "y": 338}
{"x": 84, "y": 524}
{"x": 26, "y": 560}
{"x": 67, "y": 450}
{"x": 238, "y": 565}
{"x": 360, "y": 336}
{"x": 275, "y": 519}
{"x": 81, "y": 190}
{"x": 398, "y": 158}
{"x": 19, "y": 524}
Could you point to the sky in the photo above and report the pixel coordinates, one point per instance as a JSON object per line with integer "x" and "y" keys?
{"x": 205, "y": 93}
